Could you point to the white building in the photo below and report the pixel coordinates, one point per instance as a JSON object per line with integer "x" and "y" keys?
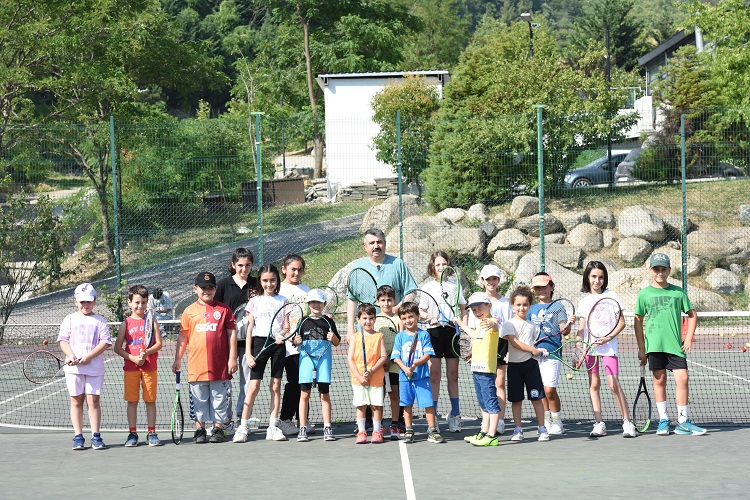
{"x": 350, "y": 156}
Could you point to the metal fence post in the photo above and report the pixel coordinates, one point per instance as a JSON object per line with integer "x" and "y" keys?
{"x": 400, "y": 187}
{"x": 258, "y": 186}
{"x": 540, "y": 179}
{"x": 684, "y": 204}
{"x": 113, "y": 161}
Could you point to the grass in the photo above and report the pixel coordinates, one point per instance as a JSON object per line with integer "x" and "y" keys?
{"x": 56, "y": 181}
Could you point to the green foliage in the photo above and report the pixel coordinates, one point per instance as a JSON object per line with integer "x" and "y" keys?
{"x": 114, "y": 301}
{"x": 444, "y": 35}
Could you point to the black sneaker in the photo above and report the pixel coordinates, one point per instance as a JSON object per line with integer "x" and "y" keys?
{"x": 217, "y": 435}
{"x": 199, "y": 436}
{"x": 409, "y": 436}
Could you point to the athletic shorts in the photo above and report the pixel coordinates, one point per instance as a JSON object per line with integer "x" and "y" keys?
{"x": 276, "y": 354}
{"x": 211, "y": 400}
{"x": 84, "y": 384}
{"x": 393, "y": 377}
{"x": 443, "y": 339}
{"x": 611, "y": 365}
{"x": 484, "y": 386}
{"x": 666, "y": 361}
{"x": 550, "y": 371}
{"x": 323, "y": 388}
{"x": 502, "y": 352}
{"x": 367, "y": 396}
{"x": 525, "y": 374}
{"x": 410, "y": 391}
{"x": 134, "y": 380}
{"x": 306, "y": 368}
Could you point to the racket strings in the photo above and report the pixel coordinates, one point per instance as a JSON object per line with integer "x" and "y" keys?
{"x": 42, "y": 366}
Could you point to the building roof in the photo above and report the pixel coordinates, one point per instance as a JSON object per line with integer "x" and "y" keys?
{"x": 675, "y": 41}
{"x": 323, "y": 79}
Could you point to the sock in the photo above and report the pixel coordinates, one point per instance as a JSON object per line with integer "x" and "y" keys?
{"x": 326, "y": 424}
{"x": 96, "y": 434}
{"x": 682, "y": 413}
{"x": 245, "y": 421}
{"x": 455, "y": 410}
{"x": 409, "y": 428}
{"x": 151, "y": 429}
{"x": 661, "y": 407}
{"x": 273, "y": 421}
{"x": 430, "y": 430}
{"x": 518, "y": 429}
{"x": 132, "y": 429}
{"x": 434, "y": 405}
{"x": 556, "y": 416}
{"x": 547, "y": 416}
{"x": 361, "y": 424}
{"x": 376, "y": 425}
{"x": 542, "y": 429}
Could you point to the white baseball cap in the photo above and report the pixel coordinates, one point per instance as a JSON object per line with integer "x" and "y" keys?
{"x": 477, "y": 298}
{"x": 85, "y": 292}
{"x": 316, "y": 295}
{"x": 490, "y": 270}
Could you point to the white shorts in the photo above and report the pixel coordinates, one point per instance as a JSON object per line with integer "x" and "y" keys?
{"x": 84, "y": 384}
{"x": 370, "y": 395}
{"x": 550, "y": 370}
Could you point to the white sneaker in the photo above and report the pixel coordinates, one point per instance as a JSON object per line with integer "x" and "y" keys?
{"x": 556, "y": 428}
{"x": 287, "y": 427}
{"x": 500, "y": 427}
{"x": 240, "y": 435}
{"x": 517, "y": 434}
{"x": 273, "y": 433}
{"x": 628, "y": 429}
{"x": 547, "y": 423}
{"x": 454, "y": 423}
{"x": 543, "y": 434}
{"x": 600, "y": 429}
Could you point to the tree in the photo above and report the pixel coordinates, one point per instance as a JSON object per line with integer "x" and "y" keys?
{"x": 417, "y": 100}
{"x": 444, "y": 37}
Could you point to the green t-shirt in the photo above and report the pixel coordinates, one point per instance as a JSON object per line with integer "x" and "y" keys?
{"x": 663, "y": 306}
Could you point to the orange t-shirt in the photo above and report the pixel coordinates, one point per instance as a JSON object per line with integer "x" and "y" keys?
{"x": 373, "y": 346}
{"x": 208, "y": 344}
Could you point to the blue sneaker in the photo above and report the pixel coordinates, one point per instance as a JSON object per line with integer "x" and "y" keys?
{"x": 687, "y": 427}
{"x": 97, "y": 443}
{"x": 153, "y": 439}
{"x": 663, "y": 429}
{"x": 78, "y": 442}
{"x": 132, "y": 440}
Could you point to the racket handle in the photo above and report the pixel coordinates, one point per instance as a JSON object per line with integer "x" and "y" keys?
{"x": 177, "y": 379}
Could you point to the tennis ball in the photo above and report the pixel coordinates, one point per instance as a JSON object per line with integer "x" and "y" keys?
{"x": 734, "y": 335}
{"x": 747, "y": 344}
{"x": 45, "y": 342}
{"x": 20, "y": 342}
{"x": 721, "y": 335}
{"x": 569, "y": 375}
{"x": 744, "y": 349}
{"x": 729, "y": 346}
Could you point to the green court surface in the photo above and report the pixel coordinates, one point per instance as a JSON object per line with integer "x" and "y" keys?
{"x": 41, "y": 464}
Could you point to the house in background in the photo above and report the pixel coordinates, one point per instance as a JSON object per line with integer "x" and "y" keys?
{"x": 350, "y": 154}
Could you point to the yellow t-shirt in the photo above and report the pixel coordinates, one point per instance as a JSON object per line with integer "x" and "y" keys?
{"x": 484, "y": 348}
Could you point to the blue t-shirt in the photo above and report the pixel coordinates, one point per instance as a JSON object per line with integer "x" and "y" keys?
{"x": 392, "y": 271}
{"x": 402, "y": 348}
{"x": 551, "y": 329}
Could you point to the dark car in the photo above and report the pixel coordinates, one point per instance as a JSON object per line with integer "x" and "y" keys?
{"x": 598, "y": 171}
{"x": 626, "y": 168}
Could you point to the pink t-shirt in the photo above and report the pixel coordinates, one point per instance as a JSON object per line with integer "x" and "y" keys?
{"x": 134, "y": 338}
{"x": 84, "y": 333}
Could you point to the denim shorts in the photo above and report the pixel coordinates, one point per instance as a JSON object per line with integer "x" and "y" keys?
{"x": 484, "y": 385}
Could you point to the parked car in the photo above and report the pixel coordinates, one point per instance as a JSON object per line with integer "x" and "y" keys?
{"x": 624, "y": 172}
{"x": 598, "y": 171}
{"x": 625, "y": 169}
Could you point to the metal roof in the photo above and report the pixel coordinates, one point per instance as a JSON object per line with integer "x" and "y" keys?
{"x": 675, "y": 41}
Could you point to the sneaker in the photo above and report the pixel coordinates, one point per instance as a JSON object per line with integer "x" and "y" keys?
{"x": 311, "y": 428}
{"x": 517, "y": 434}
{"x": 78, "y": 442}
{"x": 302, "y": 435}
{"x": 97, "y": 443}
{"x": 328, "y": 434}
{"x": 628, "y": 429}
{"x": 240, "y": 435}
{"x": 377, "y": 437}
{"x": 556, "y": 429}
{"x": 395, "y": 432}
{"x": 454, "y": 423}
{"x": 543, "y": 434}
{"x": 132, "y": 440}
{"x": 663, "y": 429}
{"x": 547, "y": 422}
{"x": 362, "y": 437}
{"x": 687, "y": 427}
{"x": 473, "y": 437}
{"x": 433, "y": 436}
{"x": 229, "y": 428}
{"x": 600, "y": 429}
{"x": 274, "y": 433}
{"x": 486, "y": 440}
{"x": 500, "y": 427}
{"x": 287, "y": 427}
{"x": 217, "y": 435}
{"x": 200, "y": 436}
{"x": 152, "y": 439}
{"x": 409, "y": 436}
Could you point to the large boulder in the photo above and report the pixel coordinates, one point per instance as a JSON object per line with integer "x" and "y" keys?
{"x": 570, "y": 220}
{"x": 523, "y": 206}
{"x": 587, "y": 237}
{"x": 568, "y": 256}
{"x": 706, "y": 301}
{"x": 478, "y": 211}
{"x": 603, "y": 217}
{"x": 633, "y": 250}
{"x": 724, "y": 281}
{"x": 673, "y": 224}
{"x": 453, "y": 215}
{"x": 609, "y": 237}
{"x": 745, "y": 215}
{"x": 530, "y": 225}
{"x": 385, "y": 215}
{"x": 641, "y": 222}
{"x": 426, "y": 234}
{"x": 508, "y": 239}
{"x": 723, "y": 246}
{"x": 502, "y": 221}
{"x": 507, "y": 260}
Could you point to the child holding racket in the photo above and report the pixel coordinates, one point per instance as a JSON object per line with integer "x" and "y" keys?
{"x": 411, "y": 352}
{"x": 603, "y": 359}
{"x": 139, "y": 368}
{"x": 316, "y": 328}
{"x": 389, "y": 324}
{"x": 662, "y": 345}
{"x": 260, "y": 313}
{"x": 83, "y": 338}
{"x": 442, "y": 336}
{"x": 366, "y": 359}
{"x": 208, "y": 333}
{"x": 523, "y": 369}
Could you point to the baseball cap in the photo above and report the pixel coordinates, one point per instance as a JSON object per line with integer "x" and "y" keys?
{"x": 540, "y": 280}
{"x": 659, "y": 259}
{"x": 316, "y": 295}
{"x": 85, "y": 292}
{"x": 478, "y": 298}
{"x": 490, "y": 270}
{"x": 205, "y": 279}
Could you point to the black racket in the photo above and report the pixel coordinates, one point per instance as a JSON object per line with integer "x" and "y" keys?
{"x": 362, "y": 286}
{"x": 413, "y": 350}
{"x": 642, "y": 405}
{"x": 315, "y": 343}
{"x": 284, "y": 325}
{"x": 177, "y": 424}
{"x": 241, "y": 319}
{"x": 40, "y": 367}
{"x": 431, "y": 314}
{"x": 554, "y": 319}
{"x": 461, "y": 343}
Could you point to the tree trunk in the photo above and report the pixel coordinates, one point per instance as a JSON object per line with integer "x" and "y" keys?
{"x": 318, "y": 136}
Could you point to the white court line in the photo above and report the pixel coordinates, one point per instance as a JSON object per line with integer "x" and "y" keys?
{"x": 10, "y": 362}
{"x": 33, "y": 402}
{"x": 718, "y": 371}
{"x": 406, "y": 467}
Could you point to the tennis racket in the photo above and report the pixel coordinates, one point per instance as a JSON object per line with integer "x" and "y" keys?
{"x": 362, "y": 286}
{"x": 389, "y": 330}
{"x": 148, "y": 330}
{"x": 332, "y": 300}
{"x": 572, "y": 353}
{"x": 642, "y": 405}
{"x": 461, "y": 344}
{"x": 412, "y": 350}
{"x": 450, "y": 289}
{"x": 177, "y": 424}
{"x": 434, "y": 314}
{"x": 603, "y": 318}
{"x": 284, "y": 325}
{"x": 557, "y": 313}
{"x": 241, "y": 319}
{"x": 315, "y": 343}
{"x": 40, "y": 367}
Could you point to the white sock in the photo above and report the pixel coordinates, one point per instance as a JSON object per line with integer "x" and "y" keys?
{"x": 361, "y": 424}
{"x": 547, "y": 415}
{"x": 326, "y": 424}
{"x": 661, "y": 407}
{"x": 556, "y": 416}
{"x": 273, "y": 422}
{"x": 682, "y": 413}
{"x": 376, "y": 425}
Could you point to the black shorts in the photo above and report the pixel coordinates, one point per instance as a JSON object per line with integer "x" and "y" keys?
{"x": 666, "y": 361}
{"x": 275, "y": 353}
{"x": 393, "y": 377}
{"x": 323, "y": 387}
{"x": 502, "y": 352}
{"x": 526, "y": 373}
{"x": 443, "y": 339}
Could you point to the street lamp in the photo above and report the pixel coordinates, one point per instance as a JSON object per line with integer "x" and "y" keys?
{"x": 526, "y": 17}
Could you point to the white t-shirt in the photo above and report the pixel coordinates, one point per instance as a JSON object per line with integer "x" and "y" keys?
{"x": 524, "y": 331}
{"x": 295, "y": 294}
{"x": 501, "y": 310}
{"x": 262, "y": 308}
{"x": 433, "y": 288}
{"x": 582, "y": 311}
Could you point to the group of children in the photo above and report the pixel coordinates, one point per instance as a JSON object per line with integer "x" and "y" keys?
{"x": 503, "y": 333}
